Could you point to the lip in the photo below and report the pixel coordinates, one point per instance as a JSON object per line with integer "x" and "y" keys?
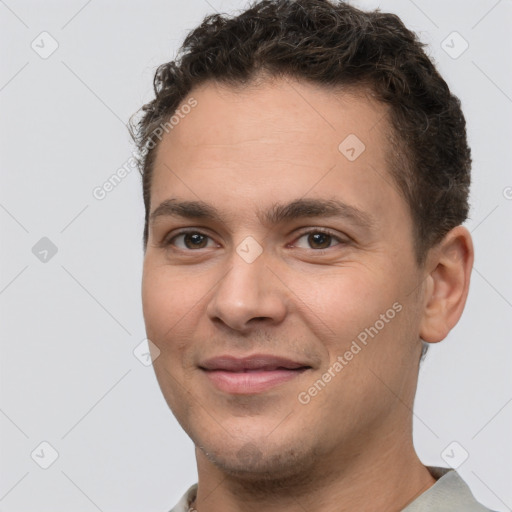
{"x": 253, "y": 374}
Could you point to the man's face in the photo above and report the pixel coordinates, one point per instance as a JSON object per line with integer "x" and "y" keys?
{"x": 289, "y": 333}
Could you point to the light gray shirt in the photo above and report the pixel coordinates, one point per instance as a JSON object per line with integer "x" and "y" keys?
{"x": 449, "y": 494}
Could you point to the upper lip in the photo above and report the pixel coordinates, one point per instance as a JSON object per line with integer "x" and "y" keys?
{"x": 254, "y": 362}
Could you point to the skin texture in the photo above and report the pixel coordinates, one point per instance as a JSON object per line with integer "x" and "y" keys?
{"x": 350, "y": 447}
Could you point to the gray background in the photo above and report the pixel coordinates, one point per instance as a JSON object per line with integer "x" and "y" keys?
{"x": 70, "y": 321}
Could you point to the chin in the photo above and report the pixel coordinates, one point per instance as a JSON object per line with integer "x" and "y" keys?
{"x": 260, "y": 462}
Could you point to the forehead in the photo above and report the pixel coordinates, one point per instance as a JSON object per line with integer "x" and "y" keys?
{"x": 281, "y": 110}
{"x": 275, "y": 139}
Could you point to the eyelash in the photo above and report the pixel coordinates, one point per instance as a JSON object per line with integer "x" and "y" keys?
{"x": 169, "y": 240}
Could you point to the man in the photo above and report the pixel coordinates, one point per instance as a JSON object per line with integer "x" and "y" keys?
{"x": 305, "y": 177}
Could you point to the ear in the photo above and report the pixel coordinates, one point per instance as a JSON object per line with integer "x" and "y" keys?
{"x": 447, "y": 285}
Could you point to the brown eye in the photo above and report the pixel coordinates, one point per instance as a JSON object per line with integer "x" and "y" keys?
{"x": 191, "y": 240}
{"x": 319, "y": 240}
{"x": 195, "y": 240}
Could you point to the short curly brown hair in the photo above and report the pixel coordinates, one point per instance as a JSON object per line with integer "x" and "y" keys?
{"x": 332, "y": 44}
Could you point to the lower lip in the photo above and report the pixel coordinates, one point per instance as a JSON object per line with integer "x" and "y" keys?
{"x": 252, "y": 381}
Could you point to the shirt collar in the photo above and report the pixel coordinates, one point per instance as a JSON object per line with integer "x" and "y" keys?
{"x": 449, "y": 494}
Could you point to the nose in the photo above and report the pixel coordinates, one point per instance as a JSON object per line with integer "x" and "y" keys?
{"x": 248, "y": 295}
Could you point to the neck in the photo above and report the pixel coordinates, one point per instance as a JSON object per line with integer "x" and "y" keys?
{"x": 384, "y": 478}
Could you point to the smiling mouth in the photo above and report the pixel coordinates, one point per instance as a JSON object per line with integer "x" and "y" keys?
{"x": 251, "y": 375}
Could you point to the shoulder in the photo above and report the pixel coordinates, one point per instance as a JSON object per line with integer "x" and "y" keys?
{"x": 449, "y": 494}
{"x": 184, "y": 504}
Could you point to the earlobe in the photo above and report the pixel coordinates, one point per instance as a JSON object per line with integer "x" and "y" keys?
{"x": 447, "y": 285}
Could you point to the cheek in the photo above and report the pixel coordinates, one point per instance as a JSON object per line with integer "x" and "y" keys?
{"x": 169, "y": 301}
{"x": 344, "y": 303}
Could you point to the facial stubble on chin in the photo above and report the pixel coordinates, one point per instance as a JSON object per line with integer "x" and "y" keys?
{"x": 262, "y": 475}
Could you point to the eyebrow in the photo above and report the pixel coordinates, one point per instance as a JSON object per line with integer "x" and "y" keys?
{"x": 185, "y": 209}
{"x": 276, "y": 214}
{"x": 301, "y": 208}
